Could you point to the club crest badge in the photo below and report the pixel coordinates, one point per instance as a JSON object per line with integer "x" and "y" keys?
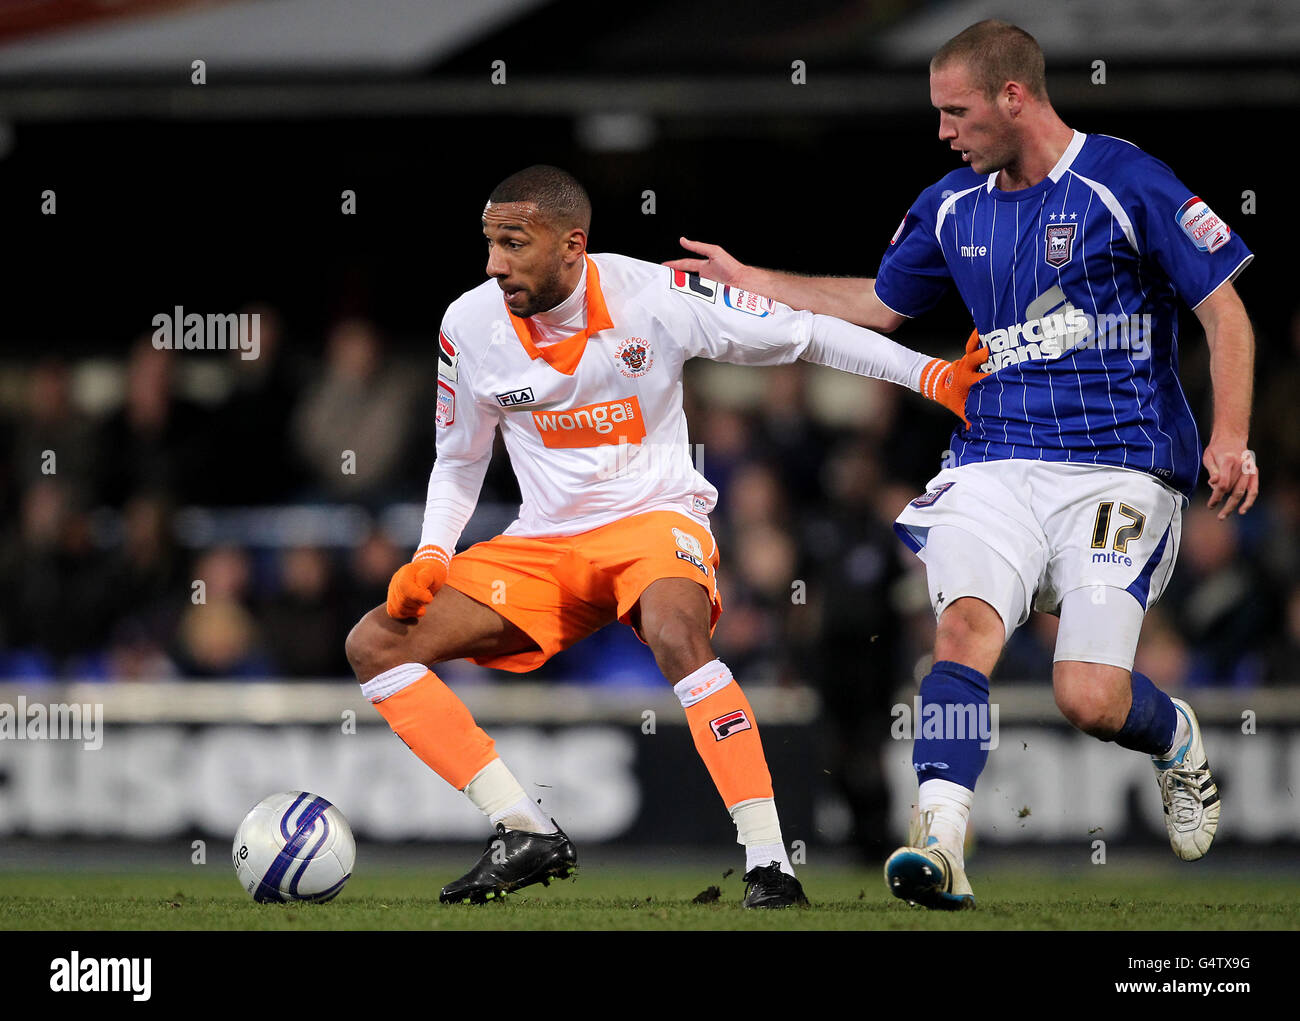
{"x": 690, "y": 550}
{"x": 634, "y": 357}
{"x": 1060, "y": 243}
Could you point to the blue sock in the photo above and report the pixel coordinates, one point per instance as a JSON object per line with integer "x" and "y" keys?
{"x": 949, "y": 735}
{"x": 1151, "y": 719}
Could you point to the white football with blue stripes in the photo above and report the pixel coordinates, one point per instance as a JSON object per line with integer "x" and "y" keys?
{"x": 294, "y": 846}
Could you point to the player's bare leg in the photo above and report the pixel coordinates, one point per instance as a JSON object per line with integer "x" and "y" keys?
{"x": 391, "y": 659}
{"x": 930, "y": 869}
{"x": 1118, "y": 705}
{"x": 673, "y": 617}
{"x": 454, "y": 627}
{"x": 970, "y": 632}
{"x": 1095, "y": 697}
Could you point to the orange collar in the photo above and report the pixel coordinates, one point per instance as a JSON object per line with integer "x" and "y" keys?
{"x": 564, "y": 355}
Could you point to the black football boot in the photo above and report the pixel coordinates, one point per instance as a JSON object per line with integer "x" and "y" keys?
{"x": 511, "y": 860}
{"x": 766, "y": 886}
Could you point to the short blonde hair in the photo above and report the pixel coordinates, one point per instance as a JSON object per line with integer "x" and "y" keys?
{"x": 996, "y": 52}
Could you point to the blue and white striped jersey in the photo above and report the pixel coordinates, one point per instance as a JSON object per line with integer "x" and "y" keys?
{"x": 1073, "y": 285}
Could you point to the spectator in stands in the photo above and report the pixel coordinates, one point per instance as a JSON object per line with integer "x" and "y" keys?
{"x": 305, "y": 622}
{"x": 1163, "y": 654}
{"x": 365, "y": 403}
{"x": 854, "y": 659}
{"x": 50, "y": 557}
{"x": 1222, "y": 603}
{"x": 157, "y": 441}
{"x": 253, "y": 463}
{"x": 1283, "y": 666}
{"x": 1279, "y": 382}
{"x": 220, "y": 637}
{"x": 52, "y": 436}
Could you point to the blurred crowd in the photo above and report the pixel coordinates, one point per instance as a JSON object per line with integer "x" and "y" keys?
{"x": 100, "y": 458}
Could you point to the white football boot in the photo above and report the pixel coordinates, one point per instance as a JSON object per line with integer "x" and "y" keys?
{"x": 1189, "y": 793}
{"x": 926, "y": 874}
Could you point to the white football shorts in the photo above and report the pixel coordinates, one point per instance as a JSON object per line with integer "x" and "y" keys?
{"x": 1094, "y": 544}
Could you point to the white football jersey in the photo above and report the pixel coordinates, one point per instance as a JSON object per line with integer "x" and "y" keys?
{"x": 594, "y": 425}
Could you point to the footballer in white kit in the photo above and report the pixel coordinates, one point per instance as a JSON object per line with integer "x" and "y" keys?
{"x": 577, "y": 359}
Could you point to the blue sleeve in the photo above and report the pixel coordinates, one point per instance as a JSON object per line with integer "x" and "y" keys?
{"x": 913, "y": 273}
{"x": 1192, "y": 244}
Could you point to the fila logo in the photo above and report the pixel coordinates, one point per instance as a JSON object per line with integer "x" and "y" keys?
{"x": 448, "y": 358}
{"x": 731, "y": 723}
{"x": 524, "y": 396}
{"x": 681, "y": 555}
{"x": 692, "y": 284}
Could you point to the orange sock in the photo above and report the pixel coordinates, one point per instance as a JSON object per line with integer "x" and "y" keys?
{"x": 437, "y": 726}
{"x": 726, "y": 734}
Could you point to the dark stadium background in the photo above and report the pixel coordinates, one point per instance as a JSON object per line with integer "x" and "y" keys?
{"x": 226, "y": 197}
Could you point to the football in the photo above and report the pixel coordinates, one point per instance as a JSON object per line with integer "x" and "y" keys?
{"x": 294, "y": 846}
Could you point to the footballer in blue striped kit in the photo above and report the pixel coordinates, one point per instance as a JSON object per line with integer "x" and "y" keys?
{"x": 1064, "y": 490}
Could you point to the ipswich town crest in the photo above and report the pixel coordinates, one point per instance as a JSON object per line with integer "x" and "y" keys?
{"x": 634, "y": 357}
{"x": 1060, "y": 243}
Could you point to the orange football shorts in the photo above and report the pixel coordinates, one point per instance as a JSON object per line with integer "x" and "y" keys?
{"x": 560, "y": 589}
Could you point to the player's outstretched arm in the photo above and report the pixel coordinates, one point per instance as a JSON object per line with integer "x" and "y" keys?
{"x": 852, "y": 299}
{"x": 863, "y": 352}
{"x": 1234, "y": 476}
{"x": 771, "y": 333}
{"x": 949, "y": 383}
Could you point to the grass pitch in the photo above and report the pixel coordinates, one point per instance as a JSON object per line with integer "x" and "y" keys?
{"x": 617, "y": 897}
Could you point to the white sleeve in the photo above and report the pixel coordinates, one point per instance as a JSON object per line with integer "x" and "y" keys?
{"x": 726, "y": 324}
{"x": 863, "y": 352}
{"x": 465, "y": 430}
{"x": 452, "y": 497}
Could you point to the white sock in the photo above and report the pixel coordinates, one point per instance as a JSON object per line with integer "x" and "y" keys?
{"x": 697, "y": 686}
{"x": 759, "y": 829}
{"x": 950, "y": 804}
{"x": 1182, "y": 734}
{"x": 497, "y": 794}
{"x": 390, "y": 682}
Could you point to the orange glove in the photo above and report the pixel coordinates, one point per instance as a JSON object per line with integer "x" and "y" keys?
{"x": 412, "y": 588}
{"x": 949, "y": 383}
